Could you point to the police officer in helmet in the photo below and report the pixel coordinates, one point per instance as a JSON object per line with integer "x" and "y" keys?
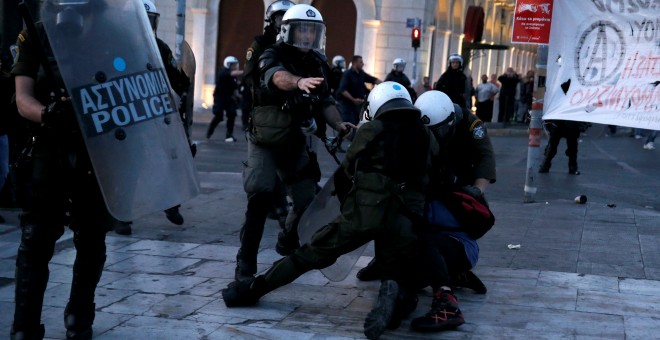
{"x": 64, "y": 188}
{"x": 397, "y": 75}
{"x": 260, "y": 202}
{"x": 291, "y": 101}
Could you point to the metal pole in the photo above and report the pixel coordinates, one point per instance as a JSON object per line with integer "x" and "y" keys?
{"x": 536, "y": 125}
{"x": 414, "y": 76}
{"x": 533, "y": 150}
{"x": 180, "y": 28}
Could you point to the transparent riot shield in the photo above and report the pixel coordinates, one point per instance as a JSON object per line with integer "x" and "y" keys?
{"x": 324, "y": 209}
{"x": 109, "y": 61}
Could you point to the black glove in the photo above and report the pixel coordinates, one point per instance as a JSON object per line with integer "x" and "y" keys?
{"x": 475, "y": 192}
{"x": 57, "y": 113}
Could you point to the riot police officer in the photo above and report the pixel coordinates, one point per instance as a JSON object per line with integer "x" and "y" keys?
{"x": 337, "y": 70}
{"x": 397, "y": 75}
{"x": 255, "y": 215}
{"x": 453, "y": 81}
{"x": 64, "y": 191}
{"x": 292, "y": 95}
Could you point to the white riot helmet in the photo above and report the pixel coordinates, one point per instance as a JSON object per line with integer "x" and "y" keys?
{"x": 456, "y": 57}
{"x": 399, "y": 65}
{"x": 385, "y": 97}
{"x": 230, "y": 61}
{"x": 277, "y": 7}
{"x": 303, "y": 27}
{"x": 339, "y": 61}
{"x": 152, "y": 13}
{"x": 438, "y": 113}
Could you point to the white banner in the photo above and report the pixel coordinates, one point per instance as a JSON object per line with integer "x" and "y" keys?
{"x": 604, "y": 63}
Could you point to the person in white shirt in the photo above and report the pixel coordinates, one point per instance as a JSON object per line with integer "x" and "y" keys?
{"x": 486, "y": 92}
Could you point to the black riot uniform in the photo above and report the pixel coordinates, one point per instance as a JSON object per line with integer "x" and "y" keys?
{"x": 179, "y": 81}
{"x": 277, "y": 148}
{"x": 452, "y": 83}
{"x": 470, "y": 152}
{"x": 64, "y": 191}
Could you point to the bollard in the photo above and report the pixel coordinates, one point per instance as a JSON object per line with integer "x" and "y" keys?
{"x": 533, "y": 150}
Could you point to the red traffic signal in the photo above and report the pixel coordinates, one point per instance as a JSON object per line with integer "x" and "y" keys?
{"x": 416, "y": 36}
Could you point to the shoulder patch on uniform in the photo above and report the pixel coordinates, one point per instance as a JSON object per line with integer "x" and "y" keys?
{"x": 478, "y": 130}
{"x": 21, "y": 37}
{"x": 248, "y": 55}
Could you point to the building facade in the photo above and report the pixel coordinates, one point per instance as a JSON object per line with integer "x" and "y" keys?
{"x": 378, "y": 30}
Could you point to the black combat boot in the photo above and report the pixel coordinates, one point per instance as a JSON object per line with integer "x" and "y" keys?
{"x": 406, "y": 303}
{"x": 380, "y": 316}
{"x": 369, "y": 273}
{"x": 287, "y": 243}
{"x": 246, "y": 266}
{"x": 78, "y": 321}
{"x": 34, "y": 333}
{"x": 244, "y": 293}
{"x": 469, "y": 280}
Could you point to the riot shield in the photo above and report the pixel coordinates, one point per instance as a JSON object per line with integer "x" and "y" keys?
{"x": 109, "y": 61}
{"x": 188, "y": 67}
{"x": 324, "y": 209}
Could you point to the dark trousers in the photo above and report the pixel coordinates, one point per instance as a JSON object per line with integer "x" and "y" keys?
{"x": 485, "y": 110}
{"x": 507, "y": 106}
{"x": 218, "y": 116}
{"x": 60, "y": 186}
{"x": 556, "y": 135}
{"x": 442, "y": 258}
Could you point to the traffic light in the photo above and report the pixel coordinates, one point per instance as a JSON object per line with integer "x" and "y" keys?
{"x": 416, "y": 37}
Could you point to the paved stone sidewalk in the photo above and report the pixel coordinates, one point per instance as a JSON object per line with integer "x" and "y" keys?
{"x": 583, "y": 271}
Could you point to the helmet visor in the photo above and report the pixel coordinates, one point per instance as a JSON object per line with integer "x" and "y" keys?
{"x": 307, "y": 35}
{"x": 153, "y": 20}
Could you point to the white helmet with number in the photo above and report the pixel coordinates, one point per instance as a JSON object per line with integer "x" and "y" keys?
{"x": 385, "y": 97}
{"x": 152, "y": 13}
{"x": 303, "y": 27}
{"x": 399, "y": 64}
{"x": 229, "y": 61}
{"x": 339, "y": 61}
{"x": 438, "y": 113}
{"x": 456, "y": 57}
{"x": 277, "y": 7}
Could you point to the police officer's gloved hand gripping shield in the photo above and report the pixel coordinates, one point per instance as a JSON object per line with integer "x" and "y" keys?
{"x": 58, "y": 113}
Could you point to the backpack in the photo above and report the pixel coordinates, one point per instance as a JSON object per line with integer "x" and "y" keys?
{"x": 475, "y": 217}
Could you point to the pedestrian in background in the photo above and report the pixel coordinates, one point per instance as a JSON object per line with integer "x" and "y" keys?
{"x": 649, "y": 143}
{"x": 509, "y": 81}
{"x": 526, "y": 95}
{"x": 558, "y": 129}
{"x": 352, "y": 91}
{"x": 486, "y": 92}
